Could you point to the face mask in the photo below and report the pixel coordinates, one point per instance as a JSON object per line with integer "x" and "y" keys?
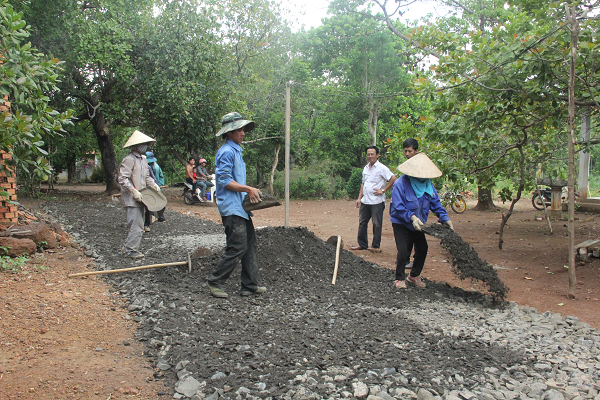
{"x": 141, "y": 148}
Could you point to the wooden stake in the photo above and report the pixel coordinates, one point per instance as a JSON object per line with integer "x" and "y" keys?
{"x": 288, "y": 114}
{"x": 337, "y": 260}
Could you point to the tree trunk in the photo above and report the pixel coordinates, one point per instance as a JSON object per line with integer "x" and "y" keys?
{"x": 484, "y": 199}
{"x": 259, "y": 177}
{"x": 107, "y": 150}
{"x": 372, "y": 123}
{"x": 72, "y": 172}
{"x": 514, "y": 201}
{"x": 572, "y": 19}
{"x": 273, "y": 169}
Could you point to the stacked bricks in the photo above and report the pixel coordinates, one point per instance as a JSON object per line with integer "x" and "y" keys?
{"x": 8, "y": 211}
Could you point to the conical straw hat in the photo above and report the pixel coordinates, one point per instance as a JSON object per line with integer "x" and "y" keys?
{"x": 138, "y": 137}
{"x": 420, "y": 166}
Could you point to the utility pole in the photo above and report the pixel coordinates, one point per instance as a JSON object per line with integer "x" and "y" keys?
{"x": 288, "y": 113}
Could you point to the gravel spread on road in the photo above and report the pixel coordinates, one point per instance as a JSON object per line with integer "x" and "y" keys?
{"x": 308, "y": 339}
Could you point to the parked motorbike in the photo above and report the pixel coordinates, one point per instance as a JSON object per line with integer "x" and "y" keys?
{"x": 189, "y": 197}
{"x": 546, "y": 199}
{"x": 457, "y": 201}
{"x": 541, "y": 198}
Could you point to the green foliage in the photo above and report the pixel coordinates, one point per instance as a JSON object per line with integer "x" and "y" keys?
{"x": 505, "y": 78}
{"x": 10, "y": 264}
{"x": 98, "y": 42}
{"x": 594, "y": 186}
{"x": 182, "y": 94}
{"x": 340, "y": 73}
{"x": 505, "y": 194}
{"x": 28, "y": 78}
{"x": 305, "y": 184}
{"x": 354, "y": 183}
{"x": 98, "y": 175}
{"x": 72, "y": 145}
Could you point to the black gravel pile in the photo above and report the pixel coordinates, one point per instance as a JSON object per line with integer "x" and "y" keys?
{"x": 466, "y": 263}
{"x": 303, "y": 322}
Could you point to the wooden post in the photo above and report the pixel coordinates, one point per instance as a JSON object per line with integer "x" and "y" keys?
{"x": 337, "y": 259}
{"x": 571, "y": 12}
{"x": 287, "y": 153}
{"x": 555, "y": 201}
{"x": 584, "y": 159}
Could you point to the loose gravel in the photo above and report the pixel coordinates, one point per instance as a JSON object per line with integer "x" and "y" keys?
{"x": 466, "y": 263}
{"x": 308, "y": 339}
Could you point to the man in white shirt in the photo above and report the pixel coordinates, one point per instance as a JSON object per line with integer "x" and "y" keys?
{"x": 376, "y": 180}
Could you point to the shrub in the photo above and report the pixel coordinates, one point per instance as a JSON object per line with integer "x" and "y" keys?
{"x": 98, "y": 175}
{"x": 306, "y": 185}
{"x": 354, "y": 183}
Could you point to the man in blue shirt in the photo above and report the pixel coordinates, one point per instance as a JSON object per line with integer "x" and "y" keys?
{"x": 230, "y": 175}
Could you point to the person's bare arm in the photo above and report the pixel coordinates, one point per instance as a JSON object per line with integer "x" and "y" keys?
{"x": 387, "y": 187}
{"x": 253, "y": 193}
{"x": 360, "y": 195}
{"x": 189, "y": 172}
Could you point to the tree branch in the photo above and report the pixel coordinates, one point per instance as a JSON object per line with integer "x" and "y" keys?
{"x": 260, "y": 139}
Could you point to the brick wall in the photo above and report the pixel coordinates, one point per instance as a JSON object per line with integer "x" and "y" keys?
{"x": 8, "y": 212}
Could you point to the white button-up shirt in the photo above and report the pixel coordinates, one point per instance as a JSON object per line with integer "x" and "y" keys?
{"x": 374, "y": 177}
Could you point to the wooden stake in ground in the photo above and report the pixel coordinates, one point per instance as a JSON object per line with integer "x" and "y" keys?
{"x": 337, "y": 259}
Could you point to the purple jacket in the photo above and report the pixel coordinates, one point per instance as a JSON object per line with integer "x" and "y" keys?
{"x": 405, "y": 204}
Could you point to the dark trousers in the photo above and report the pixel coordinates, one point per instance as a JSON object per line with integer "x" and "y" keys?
{"x": 194, "y": 184}
{"x": 147, "y": 217}
{"x": 149, "y": 214}
{"x": 405, "y": 239}
{"x": 373, "y": 212}
{"x": 241, "y": 245}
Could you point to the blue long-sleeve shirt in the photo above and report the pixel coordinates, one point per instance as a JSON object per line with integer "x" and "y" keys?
{"x": 405, "y": 204}
{"x": 230, "y": 166}
{"x": 158, "y": 174}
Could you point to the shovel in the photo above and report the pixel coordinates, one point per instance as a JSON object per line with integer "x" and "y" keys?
{"x": 199, "y": 252}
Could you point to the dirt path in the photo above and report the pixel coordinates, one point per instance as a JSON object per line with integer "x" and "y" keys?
{"x": 68, "y": 339}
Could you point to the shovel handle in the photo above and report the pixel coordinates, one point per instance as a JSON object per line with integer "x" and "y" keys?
{"x": 114, "y": 271}
{"x": 337, "y": 259}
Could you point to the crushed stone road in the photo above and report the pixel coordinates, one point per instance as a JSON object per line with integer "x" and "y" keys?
{"x": 308, "y": 339}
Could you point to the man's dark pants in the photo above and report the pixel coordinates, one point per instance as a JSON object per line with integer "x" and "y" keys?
{"x": 373, "y": 212}
{"x": 241, "y": 245}
{"x": 194, "y": 184}
{"x": 405, "y": 239}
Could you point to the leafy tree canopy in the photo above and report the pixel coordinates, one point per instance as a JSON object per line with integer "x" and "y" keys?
{"x": 29, "y": 79}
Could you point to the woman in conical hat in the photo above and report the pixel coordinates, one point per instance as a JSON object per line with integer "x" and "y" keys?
{"x": 413, "y": 196}
{"x": 133, "y": 177}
